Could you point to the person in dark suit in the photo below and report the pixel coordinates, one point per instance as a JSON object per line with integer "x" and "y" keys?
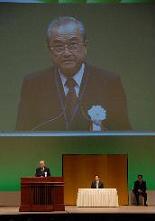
{"x": 140, "y": 189}
{"x": 42, "y": 170}
{"x": 97, "y": 183}
{"x": 59, "y": 98}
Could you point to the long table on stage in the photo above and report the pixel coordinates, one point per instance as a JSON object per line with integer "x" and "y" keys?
{"x": 42, "y": 194}
{"x": 106, "y": 197}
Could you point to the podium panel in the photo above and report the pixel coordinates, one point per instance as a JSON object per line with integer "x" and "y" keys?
{"x": 42, "y": 194}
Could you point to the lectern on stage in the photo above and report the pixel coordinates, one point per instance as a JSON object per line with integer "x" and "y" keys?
{"x": 42, "y": 194}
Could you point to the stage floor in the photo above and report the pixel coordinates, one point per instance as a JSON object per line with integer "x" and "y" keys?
{"x": 76, "y": 210}
{"x": 120, "y": 209}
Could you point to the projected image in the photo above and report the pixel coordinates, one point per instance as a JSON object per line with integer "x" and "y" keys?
{"x": 74, "y": 71}
{"x": 72, "y": 95}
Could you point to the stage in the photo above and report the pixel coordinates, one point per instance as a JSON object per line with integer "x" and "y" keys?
{"x": 122, "y": 213}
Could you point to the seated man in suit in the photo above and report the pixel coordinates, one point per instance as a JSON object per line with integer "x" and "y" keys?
{"x": 60, "y": 97}
{"x": 140, "y": 189}
{"x": 42, "y": 170}
{"x": 97, "y": 183}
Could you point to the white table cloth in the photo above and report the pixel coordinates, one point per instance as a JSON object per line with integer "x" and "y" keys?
{"x": 106, "y": 197}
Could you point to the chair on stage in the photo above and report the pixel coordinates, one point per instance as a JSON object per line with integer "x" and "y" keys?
{"x": 133, "y": 199}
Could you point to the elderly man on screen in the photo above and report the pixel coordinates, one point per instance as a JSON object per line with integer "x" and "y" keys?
{"x": 71, "y": 95}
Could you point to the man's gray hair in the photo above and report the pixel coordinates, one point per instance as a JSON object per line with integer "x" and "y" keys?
{"x": 62, "y": 21}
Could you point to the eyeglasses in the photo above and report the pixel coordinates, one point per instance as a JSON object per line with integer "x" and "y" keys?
{"x": 60, "y": 48}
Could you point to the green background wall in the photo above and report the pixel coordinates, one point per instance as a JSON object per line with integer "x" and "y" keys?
{"x": 19, "y": 156}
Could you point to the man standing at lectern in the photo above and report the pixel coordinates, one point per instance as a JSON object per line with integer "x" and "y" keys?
{"x": 97, "y": 183}
{"x": 42, "y": 170}
{"x": 60, "y": 97}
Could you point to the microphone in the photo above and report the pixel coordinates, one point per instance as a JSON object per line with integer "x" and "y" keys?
{"x": 51, "y": 119}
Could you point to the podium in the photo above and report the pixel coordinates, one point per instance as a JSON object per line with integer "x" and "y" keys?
{"x": 42, "y": 194}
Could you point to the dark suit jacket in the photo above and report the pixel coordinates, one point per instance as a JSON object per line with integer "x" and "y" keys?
{"x": 40, "y": 172}
{"x": 101, "y": 185}
{"x": 42, "y": 102}
{"x": 141, "y": 186}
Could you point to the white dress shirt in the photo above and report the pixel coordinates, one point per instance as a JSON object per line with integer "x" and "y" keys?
{"x": 97, "y": 184}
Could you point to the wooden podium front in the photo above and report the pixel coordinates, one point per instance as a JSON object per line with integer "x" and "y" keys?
{"x": 42, "y": 194}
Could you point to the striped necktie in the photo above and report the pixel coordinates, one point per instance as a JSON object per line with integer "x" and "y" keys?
{"x": 71, "y": 97}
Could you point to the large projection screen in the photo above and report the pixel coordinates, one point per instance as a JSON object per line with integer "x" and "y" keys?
{"x": 120, "y": 60}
